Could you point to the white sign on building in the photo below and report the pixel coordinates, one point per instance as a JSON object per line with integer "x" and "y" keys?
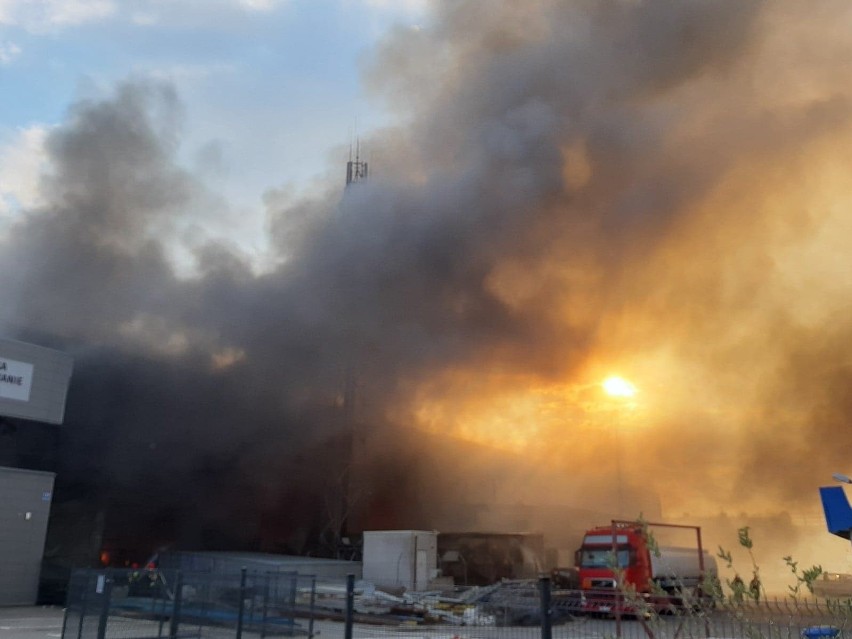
{"x": 33, "y": 381}
{"x": 16, "y": 379}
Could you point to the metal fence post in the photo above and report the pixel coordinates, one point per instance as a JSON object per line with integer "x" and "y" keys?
{"x": 294, "y": 591}
{"x": 265, "y": 605}
{"x": 242, "y": 608}
{"x": 350, "y": 605}
{"x": 68, "y": 604}
{"x": 83, "y": 605}
{"x": 311, "y": 614}
{"x": 619, "y": 605}
{"x": 161, "y": 614}
{"x": 546, "y": 612}
{"x": 106, "y": 593}
{"x": 64, "y": 622}
{"x": 175, "y": 620}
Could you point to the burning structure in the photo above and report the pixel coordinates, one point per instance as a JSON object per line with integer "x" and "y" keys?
{"x": 647, "y": 188}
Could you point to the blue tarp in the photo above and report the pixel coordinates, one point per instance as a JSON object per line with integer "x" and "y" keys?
{"x": 820, "y": 632}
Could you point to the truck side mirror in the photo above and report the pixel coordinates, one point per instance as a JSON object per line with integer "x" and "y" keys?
{"x": 577, "y": 555}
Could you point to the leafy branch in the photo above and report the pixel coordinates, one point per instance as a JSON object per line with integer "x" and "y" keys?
{"x": 805, "y": 577}
{"x": 739, "y": 590}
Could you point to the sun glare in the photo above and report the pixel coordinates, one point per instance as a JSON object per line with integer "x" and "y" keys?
{"x": 618, "y": 387}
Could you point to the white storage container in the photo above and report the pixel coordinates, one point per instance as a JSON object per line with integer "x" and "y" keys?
{"x": 400, "y": 558}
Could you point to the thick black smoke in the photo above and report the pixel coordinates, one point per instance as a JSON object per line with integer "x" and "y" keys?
{"x": 576, "y": 183}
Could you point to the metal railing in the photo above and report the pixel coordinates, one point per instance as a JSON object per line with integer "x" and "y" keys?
{"x": 149, "y": 604}
{"x": 531, "y": 610}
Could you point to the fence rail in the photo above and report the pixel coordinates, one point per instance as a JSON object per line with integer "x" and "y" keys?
{"x": 148, "y": 604}
{"x": 124, "y": 604}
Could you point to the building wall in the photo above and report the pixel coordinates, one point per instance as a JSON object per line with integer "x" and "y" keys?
{"x": 25, "y": 497}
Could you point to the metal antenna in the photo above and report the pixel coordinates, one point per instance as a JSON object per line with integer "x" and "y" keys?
{"x": 356, "y": 171}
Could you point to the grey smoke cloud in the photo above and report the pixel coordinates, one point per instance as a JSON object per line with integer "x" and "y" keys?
{"x": 576, "y": 186}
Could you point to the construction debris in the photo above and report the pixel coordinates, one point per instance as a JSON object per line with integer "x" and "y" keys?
{"x": 507, "y": 603}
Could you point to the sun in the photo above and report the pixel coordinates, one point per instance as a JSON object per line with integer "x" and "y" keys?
{"x": 618, "y": 387}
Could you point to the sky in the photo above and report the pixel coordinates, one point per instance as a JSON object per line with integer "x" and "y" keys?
{"x": 559, "y": 192}
{"x": 270, "y": 90}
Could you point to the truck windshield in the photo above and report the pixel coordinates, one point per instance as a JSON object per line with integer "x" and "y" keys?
{"x": 600, "y": 557}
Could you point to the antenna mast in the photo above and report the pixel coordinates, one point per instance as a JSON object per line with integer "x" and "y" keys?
{"x": 356, "y": 171}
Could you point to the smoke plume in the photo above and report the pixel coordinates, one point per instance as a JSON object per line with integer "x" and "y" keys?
{"x": 575, "y": 189}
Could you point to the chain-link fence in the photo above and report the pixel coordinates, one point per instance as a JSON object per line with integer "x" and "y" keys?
{"x": 149, "y": 604}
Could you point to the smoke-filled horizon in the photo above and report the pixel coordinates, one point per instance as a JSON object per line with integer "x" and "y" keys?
{"x": 650, "y": 189}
